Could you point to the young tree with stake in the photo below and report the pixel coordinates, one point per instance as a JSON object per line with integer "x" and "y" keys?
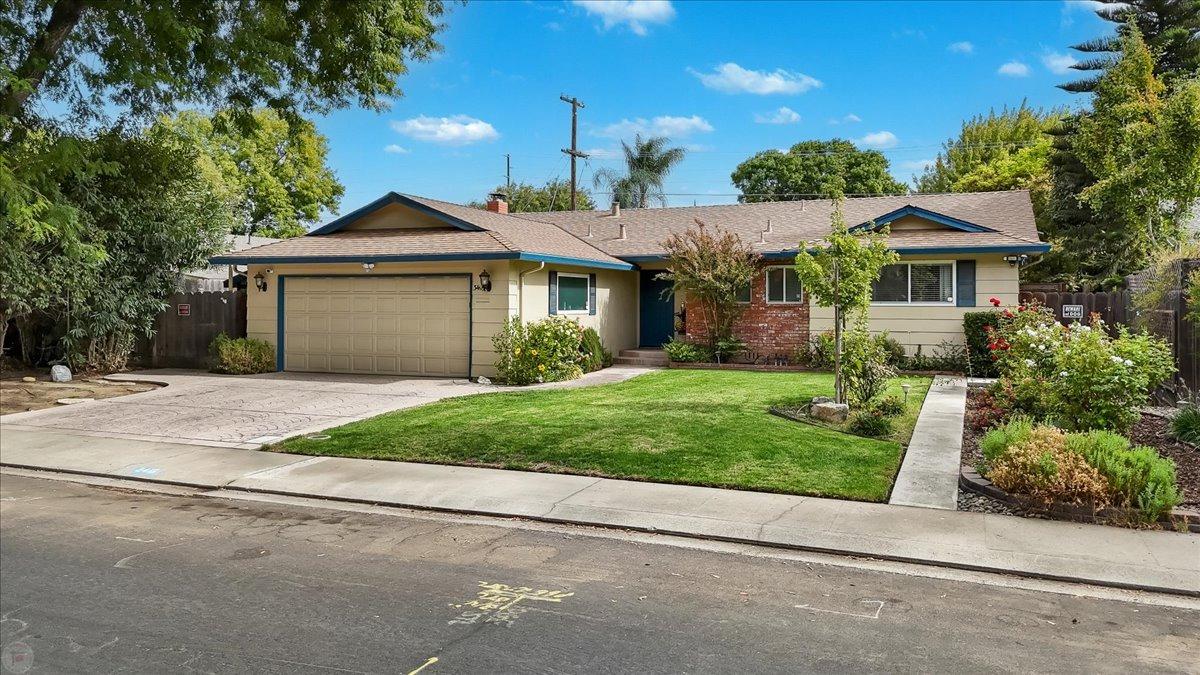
{"x": 839, "y": 272}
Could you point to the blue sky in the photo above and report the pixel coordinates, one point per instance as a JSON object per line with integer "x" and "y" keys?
{"x": 722, "y": 79}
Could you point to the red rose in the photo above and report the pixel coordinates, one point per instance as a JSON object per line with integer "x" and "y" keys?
{"x": 995, "y": 302}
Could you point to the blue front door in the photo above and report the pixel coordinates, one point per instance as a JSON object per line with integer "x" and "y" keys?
{"x": 658, "y": 311}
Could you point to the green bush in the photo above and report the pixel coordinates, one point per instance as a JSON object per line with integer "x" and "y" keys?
{"x": 949, "y": 356}
{"x": 979, "y": 357}
{"x": 889, "y": 406}
{"x": 541, "y": 351}
{"x": 871, "y": 423}
{"x": 687, "y": 352}
{"x": 893, "y": 351}
{"x": 1186, "y": 425}
{"x": 1139, "y": 477}
{"x": 592, "y": 352}
{"x": 820, "y": 352}
{"x": 1021, "y": 457}
{"x": 241, "y": 356}
{"x": 865, "y": 367}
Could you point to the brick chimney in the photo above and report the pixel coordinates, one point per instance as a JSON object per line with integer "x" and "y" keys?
{"x": 496, "y": 203}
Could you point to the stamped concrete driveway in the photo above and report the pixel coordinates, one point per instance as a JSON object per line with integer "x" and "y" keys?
{"x": 239, "y": 411}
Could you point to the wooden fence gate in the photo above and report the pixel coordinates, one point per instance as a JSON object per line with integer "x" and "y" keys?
{"x": 184, "y": 330}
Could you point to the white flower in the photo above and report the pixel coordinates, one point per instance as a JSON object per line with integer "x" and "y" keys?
{"x": 1063, "y": 374}
{"x": 1117, "y": 359}
{"x": 1128, "y": 362}
{"x": 1030, "y": 363}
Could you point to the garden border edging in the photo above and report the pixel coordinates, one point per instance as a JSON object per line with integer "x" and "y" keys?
{"x": 969, "y": 479}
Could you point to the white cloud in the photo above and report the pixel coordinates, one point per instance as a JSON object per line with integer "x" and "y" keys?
{"x": 554, "y": 26}
{"x": 1070, "y": 7}
{"x": 879, "y": 140}
{"x": 731, "y": 78}
{"x": 916, "y": 164}
{"x": 1059, "y": 64}
{"x": 455, "y": 130}
{"x": 784, "y": 115}
{"x": 663, "y": 125}
{"x": 1014, "y": 69}
{"x": 849, "y": 118}
{"x": 634, "y": 13}
{"x": 603, "y": 153}
{"x": 962, "y": 47}
{"x": 394, "y": 149}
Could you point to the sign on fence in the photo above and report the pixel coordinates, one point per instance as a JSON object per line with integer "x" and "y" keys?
{"x": 183, "y": 309}
{"x": 1072, "y": 311}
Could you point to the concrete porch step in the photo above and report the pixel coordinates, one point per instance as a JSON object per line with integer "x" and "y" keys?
{"x": 642, "y": 357}
{"x": 632, "y": 361}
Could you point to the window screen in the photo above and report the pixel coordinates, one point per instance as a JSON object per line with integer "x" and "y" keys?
{"x": 783, "y": 285}
{"x": 572, "y": 293}
{"x": 932, "y": 283}
{"x": 892, "y": 285}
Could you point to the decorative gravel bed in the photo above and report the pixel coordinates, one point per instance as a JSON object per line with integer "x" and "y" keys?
{"x": 1152, "y": 430}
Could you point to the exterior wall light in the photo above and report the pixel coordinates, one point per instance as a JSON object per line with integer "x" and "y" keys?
{"x": 367, "y": 267}
{"x": 485, "y": 282}
{"x": 1016, "y": 260}
{"x": 260, "y": 282}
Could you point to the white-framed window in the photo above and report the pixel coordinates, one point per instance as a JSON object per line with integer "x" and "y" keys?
{"x": 783, "y": 286}
{"x": 915, "y": 283}
{"x": 574, "y": 293}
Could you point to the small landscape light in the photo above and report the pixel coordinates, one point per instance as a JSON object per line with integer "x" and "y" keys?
{"x": 906, "y": 387}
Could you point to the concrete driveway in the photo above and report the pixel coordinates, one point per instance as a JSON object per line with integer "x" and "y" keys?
{"x": 200, "y": 408}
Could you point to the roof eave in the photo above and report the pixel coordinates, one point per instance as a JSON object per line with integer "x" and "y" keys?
{"x": 394, "y": 198}
{"x": 418, "y": 257}
{"x": 788, "y": 253}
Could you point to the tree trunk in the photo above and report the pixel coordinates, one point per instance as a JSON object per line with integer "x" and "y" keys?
{"x": 46, "y": 47}
{"x": 839, "y": 390}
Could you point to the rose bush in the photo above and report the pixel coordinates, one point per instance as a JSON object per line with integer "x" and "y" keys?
{"x": 1078, "y": 377}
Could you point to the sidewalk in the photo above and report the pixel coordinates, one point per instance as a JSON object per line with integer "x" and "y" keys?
{"x": 1109, "y": 556}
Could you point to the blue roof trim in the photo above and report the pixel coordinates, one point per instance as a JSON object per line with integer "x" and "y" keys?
{"x": 580, "y": 262}
{"x": 394, "y": 198}
{"x": 425, "y": 257}
{"x": 910, "y": 210}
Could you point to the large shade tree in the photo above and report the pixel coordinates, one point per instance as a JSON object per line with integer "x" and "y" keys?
{"x": 647, "y": 163}
{"x": 812, "y": 170}
{"x": 555, "y": 195}
{"x": 274, "y": 173}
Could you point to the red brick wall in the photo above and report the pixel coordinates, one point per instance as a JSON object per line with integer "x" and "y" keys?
{"x": 767, "y": 329}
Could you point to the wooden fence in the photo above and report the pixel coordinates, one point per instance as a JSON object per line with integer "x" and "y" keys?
{"x": 184, "y": 330}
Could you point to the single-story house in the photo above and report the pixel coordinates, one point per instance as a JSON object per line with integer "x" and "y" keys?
{"x": 414, "y": 286}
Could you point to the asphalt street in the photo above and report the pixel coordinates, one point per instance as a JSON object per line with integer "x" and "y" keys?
{"x": 98, "y": 580}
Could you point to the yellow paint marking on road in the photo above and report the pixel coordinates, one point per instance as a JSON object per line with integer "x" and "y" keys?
{"x": 497, "y": 603}
{"x": 432, "y": 660}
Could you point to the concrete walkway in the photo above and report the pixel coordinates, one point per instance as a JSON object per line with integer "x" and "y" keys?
{"x": 1109, "y": 556}
{"x": 929, "y": 475}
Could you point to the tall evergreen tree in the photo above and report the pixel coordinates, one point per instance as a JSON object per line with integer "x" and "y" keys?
{"x": 984, "y": 140}
{"x": 1170, "y": 27}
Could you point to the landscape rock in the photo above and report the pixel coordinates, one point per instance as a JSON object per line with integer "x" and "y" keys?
{"x": 72, "y": 400}
{"x": 60, "y": 374}
{"x": 28, "y": 379}
{"x": 830, "y": 412}
{"x": 483, "y": 380}
{"x": 821, "y": 399}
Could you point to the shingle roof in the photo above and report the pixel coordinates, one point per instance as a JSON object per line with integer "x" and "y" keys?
{"x": 498, "y": 236}
{"x": 1008, "y": 214}
{"x": 563, "y": 236}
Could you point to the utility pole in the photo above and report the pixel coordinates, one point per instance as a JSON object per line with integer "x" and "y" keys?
{"x": 574, "y": 152}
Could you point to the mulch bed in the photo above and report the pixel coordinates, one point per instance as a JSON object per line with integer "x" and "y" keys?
{"x": 1150, "y": 430}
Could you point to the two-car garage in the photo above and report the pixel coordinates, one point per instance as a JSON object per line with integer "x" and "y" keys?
{"x": 387, "y": 325}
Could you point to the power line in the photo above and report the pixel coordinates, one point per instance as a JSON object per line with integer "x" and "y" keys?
{"x": 832, "y": 153}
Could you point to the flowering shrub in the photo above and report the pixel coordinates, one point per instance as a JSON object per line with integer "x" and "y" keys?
{"x": 542, "y": 351}
{"x": 1079, "y": 377}
{"x": 1039, "y": 465}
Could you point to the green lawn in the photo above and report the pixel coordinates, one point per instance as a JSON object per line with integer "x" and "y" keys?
{"x": 699, "y": 427}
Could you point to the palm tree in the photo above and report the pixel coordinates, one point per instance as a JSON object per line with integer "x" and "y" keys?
{"x": 647, "y": 164}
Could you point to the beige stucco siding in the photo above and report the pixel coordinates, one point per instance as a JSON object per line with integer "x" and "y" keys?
{"x": 488, "y": 310}
{"x": 616, "y": 301}
{"x": 930, "y": 325}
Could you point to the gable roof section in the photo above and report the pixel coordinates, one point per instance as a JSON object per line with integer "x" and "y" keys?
{"x": 473, "y": 234}
{"x": 987, "y": 222}
{"x": 932, "y": 216}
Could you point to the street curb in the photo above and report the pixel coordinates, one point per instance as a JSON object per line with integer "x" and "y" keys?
{"x": 652, "y": 530}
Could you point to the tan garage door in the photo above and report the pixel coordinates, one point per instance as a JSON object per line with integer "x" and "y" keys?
{"x": 413, "y": 325}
